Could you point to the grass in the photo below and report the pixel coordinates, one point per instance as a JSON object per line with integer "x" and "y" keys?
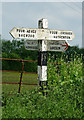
{"x": 14, "y": 77}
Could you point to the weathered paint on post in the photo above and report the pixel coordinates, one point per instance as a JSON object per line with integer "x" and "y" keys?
{"x": 42, "y": 58}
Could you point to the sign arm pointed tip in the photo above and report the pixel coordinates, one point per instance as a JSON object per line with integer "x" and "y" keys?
{"x": 12, "y": 35}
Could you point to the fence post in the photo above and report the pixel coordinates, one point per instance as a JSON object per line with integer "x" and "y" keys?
{"x": 21, "y": 77}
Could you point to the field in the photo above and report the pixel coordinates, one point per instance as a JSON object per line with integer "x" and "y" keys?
{"x": 64, "y": 98}
{"x": 14, "y": 77}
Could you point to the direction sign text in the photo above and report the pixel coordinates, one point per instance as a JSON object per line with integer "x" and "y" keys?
{"x": 39, "y": 34}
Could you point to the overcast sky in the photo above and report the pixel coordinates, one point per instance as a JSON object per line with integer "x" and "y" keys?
{"x": 60, "y": 15}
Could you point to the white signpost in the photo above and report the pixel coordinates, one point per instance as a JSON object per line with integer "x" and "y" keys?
{"x": 39, "y": 34}
{"x": 43, "y": 40}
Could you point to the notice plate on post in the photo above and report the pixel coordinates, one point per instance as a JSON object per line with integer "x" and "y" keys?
{"x": 31, "y": 44}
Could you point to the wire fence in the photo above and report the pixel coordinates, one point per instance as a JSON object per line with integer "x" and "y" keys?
{"x": 19, "y": 72}
{"x": 13, "y": 72}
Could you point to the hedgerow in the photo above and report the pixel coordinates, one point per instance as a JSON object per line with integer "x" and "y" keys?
{"x": 64, "y": 98}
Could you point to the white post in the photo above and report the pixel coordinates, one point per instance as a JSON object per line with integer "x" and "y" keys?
{"x": 42, "y": 58}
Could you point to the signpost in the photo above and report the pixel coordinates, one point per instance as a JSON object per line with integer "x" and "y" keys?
{"x": 43, "y": 40}
{"x": 39, "y": 34}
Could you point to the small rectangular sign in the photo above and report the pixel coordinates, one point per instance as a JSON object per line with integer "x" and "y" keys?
{"x": 57, "y": 45}
{"x": 31, "y": 44}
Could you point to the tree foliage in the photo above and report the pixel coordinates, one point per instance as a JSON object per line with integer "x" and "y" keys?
{"x": 15, "y": 50}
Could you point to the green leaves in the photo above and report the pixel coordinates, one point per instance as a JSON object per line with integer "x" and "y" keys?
{"x": 66, "y": 83}
{"x": 64, "y": 99}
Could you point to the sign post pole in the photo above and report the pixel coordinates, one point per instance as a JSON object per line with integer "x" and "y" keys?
{"x": 42, "y": 58}
{"x": 43, "y": 40}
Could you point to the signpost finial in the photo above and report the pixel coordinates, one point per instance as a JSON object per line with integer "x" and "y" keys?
{"x": 43, "y": 23}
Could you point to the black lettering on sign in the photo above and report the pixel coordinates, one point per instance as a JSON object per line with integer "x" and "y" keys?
{"x": 54, "y": 43}
{"x": 22, "y": 35}
{"x": 28, "y": 31}
{"x": 33, "y": 31}
{"x": 31, "y": 47}
{"x": 33, "y": 36}
{"x": 62, "y": 37}
{"x": 66, "y": 33}
{"x": 23, "y": 30}
{"x": 57, "y": 43}
{"x": 55, "y": 36}
{"x": 28, "y": 43}
{"x": 27, "y": 35}
{"x": 54, "y": 48}
{"x": 18, "y": 30}
{"x": 53, "y": 32}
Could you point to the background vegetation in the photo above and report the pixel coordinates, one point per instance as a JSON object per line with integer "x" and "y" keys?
{"x": 15, "y": 50}
{"x": 65, "y": 87}
{"x": 64, "y": 98}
